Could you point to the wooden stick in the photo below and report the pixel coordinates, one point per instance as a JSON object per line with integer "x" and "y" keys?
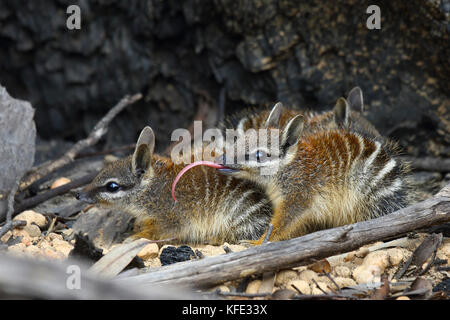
{"x": 9, "y": 213}
{"x": 95, "y": 135}
{"x": 34, "y": 201}
{"x": 104, "y": 152}
{"x": 27, "y": 278}
{"x": 300, "y": 251}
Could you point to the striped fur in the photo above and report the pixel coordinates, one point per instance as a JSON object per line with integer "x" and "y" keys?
{"x": 331, "y": 177}
{"x": 210, "y": 208}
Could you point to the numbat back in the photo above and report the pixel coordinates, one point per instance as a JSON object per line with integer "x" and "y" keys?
{"x": 346, "y": 113}
{"x": 318, "y": 179}
{"x": 211, "y": 207}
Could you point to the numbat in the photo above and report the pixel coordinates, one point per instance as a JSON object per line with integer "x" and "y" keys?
{"x": 323, "y": 178}
{"x": 211, "y": 207}
{"x": 347, "y": 113}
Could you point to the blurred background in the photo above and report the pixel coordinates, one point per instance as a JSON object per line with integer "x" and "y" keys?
{"x": 232, "y": 54}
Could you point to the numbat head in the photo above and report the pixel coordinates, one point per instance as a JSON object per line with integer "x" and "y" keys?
{"x": 211, "y": 207}
{"x": 323, "y": 178}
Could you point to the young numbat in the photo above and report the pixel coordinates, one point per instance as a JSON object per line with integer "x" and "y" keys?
{"x": 211, "y": 207}
{"x": 347, "y": 113}
{"x": 323, "y": 178}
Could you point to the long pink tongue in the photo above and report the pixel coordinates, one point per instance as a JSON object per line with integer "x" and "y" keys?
{"x": 194, "y": 164}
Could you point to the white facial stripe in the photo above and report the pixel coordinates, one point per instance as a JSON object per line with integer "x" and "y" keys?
{"x": 113, "y": 195}
{"x": 110, "y": 180}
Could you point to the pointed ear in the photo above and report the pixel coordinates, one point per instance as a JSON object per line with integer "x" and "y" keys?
{"x": 341, "y": 111}
{"x": 273, "y": 119}
{"x": 292, "y": 132}
{"x": 143, "y": 152}
{"x": 355, "y": 99}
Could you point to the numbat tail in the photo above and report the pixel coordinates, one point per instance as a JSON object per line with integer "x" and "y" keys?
{"x": 211, "y": 207}
{"x": 323, "y": 178}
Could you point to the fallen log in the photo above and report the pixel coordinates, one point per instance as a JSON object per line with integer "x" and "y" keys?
{"x": 27, "y": 278}
{"x": 299, "y": 251}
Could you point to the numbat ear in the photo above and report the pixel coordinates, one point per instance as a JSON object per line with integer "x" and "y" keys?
{"x": 273, "y": 119}
{"x": 292, "y": 132}
{"x": 143, "y": 152}
{"x": 355, "y": 99}
{"x": 341, "y": 112}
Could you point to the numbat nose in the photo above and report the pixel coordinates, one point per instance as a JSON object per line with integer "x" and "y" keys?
{"x": 83, "y": 197}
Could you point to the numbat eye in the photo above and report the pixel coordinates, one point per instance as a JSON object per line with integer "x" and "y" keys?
{"x": 112, "y": 187}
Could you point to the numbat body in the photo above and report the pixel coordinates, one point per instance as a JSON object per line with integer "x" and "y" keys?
{"x": 326, "y": 177}
{"x": 211, "y": 207}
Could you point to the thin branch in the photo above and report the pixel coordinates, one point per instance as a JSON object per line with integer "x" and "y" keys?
{"x": 34, "y": 201}
{"x": 300, "y": 251}
{"x": 99, "y": 130}
{"x": 104, "y": 152}
{"x": 11, "y": 224}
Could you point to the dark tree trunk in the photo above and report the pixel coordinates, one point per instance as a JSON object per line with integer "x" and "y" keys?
{"x": 260, "y": 52}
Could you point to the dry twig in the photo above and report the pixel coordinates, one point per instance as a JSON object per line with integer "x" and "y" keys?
{"x": 9, "y": 224}
{"x": 95, "y": 135}
{"x": 34, "y": 201}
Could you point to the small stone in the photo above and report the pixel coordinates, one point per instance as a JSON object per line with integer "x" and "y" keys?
{"x": 308, "y": 276}
{"x": 20, "y": 232}
{"x": 59, "y": 182}
{"x": 33, "y": 230}
{"x": 53, "y": 254}
{"x": 253, "y": 287}
{"x": 301, "y": 285}
{"x": 61, "y": 246}
{"x": 33, "y": 251}
{"x": 367, "y": 273}
{"x": 209, "y": 250}
{"x": 344, "y": 282}
{"x": 403, "y": 298}
{"x": 397, "y": 256}
{"x": 222, "y": 288}
{"x": 32, "y": 217}
{"x": 27, "y": 240}
{"x": 53, "y": 236}
{"x": 235, "y": 247}
{"x": 379, "y": 258}
{"x": 150, "y": 251}
{"x": 283, "y": 294}
{"x": 44, "y": 244}
{"x": 153, "y": 263}
{"x": 6, "y": 236}
{"x": 17, "y": 248}
{"x": 285, "y": 276}
{"x": 342, "y": 271}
